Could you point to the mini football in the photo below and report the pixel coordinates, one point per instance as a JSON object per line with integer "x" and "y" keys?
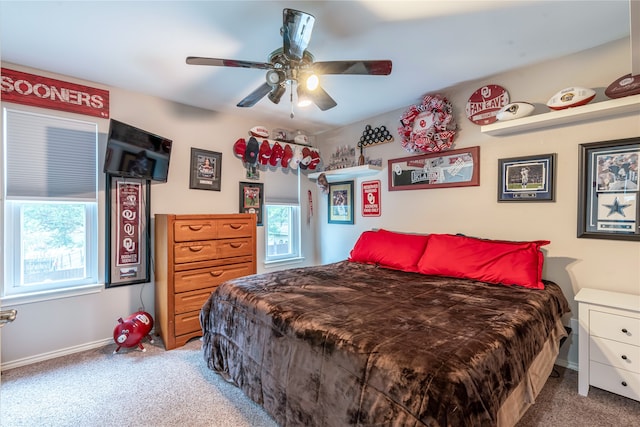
{"x": 571, "y": 97}
{"x": 624, "y": 86}
{"x": 259, "y": 132}
{"x": 515, "y": 110}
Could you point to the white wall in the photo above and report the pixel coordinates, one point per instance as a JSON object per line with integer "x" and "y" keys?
{"x": 51, "y": 328}
{"x": 571, "y": 262}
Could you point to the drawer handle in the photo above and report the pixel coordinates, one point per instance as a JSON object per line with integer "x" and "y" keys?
{"x": 624, "y": 383}
{"x": 195, "y": 248}
{"x": 195, "y": 227}
{"x": 624, "y": 331}
{"x": 235, "y": 226}
{"x": 624, "y": 357}
{"x": 235, "y": 245}
{"x": 219, "y": 273}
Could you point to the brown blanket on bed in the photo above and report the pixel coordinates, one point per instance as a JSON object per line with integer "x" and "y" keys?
{"x": 353, "y": 344}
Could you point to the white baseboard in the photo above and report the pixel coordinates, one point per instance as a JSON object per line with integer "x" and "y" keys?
{"x": 57, "y": 353}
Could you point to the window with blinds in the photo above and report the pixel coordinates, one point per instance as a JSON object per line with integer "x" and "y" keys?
{"x": 50, "y": 202}
{"x": 282, "y": 215}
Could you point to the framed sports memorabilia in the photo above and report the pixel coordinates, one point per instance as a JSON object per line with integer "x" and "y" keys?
{"x": 608, "y": 205}
{"x": 452, "y": 168}
{"x": 206, "y": 169}
{"x": 527, "y": 179}
{"x": 341, "y": 202}
{"x": 252, "y": 199}
{"x": 128, "y": 231}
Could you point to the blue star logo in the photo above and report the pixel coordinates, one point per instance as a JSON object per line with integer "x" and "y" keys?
{"x": 616, "y": 207}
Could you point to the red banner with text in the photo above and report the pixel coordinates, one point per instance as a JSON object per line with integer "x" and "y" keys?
{"x": 44, "y": 92}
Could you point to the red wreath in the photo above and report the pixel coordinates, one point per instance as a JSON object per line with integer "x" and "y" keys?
{"x": 428, "y": 127}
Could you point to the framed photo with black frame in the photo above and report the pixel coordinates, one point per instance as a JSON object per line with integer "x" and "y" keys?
{"x": 252, "y": 199}
{"x": 128, "y": 230}
{"x": 608, "y": 205}
{"x": 341, "y": 202}
{"x": 527, "y": 179}
{"x": 206, "y": 170}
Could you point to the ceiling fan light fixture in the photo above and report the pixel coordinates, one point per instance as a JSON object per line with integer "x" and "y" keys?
{"x": 275, "y": 77}
{"x": 312, "y": 82}
{"x": 276, "y": 93}
{"x": 304, "y": 100}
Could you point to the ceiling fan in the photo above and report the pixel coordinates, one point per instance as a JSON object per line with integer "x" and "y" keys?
{"x": 293, "y": 64}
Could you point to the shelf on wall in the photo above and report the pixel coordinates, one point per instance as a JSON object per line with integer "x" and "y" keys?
{"x": 597, "y": 110}
{"x": 346, "y": 173}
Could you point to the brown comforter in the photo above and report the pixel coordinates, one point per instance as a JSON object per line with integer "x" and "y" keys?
{"x": 353, "y": 344}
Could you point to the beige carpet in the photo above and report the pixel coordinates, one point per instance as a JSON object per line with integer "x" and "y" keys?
{"x": 169, "y": 388}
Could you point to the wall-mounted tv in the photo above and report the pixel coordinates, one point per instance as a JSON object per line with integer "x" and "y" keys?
{"x": 135, "y": 153}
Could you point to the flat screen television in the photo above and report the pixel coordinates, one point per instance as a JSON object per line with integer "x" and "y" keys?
{"x": 135, "y": 153}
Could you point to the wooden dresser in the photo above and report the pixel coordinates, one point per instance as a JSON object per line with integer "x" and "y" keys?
{"x": 609, "y": 345}
{"x": 193, "y": 255}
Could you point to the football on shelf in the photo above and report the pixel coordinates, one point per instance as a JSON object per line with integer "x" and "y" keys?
{"x": 259, "y": 132}
{"x": 571, "y": 97}
{"x": 515, "y": 110}
{"x": 624, "y": 86}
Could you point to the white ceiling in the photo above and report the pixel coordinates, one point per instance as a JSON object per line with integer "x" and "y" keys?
{"x": 142, "y": 46}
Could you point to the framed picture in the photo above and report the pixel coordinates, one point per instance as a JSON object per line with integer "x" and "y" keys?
{"x": 252, "y": 199}
{"x": 128, "y": 230}
{"x": 527, "y": 179}
{"x": 206, "y": 168}
{"x": 452, "y": 168}
{"x": 608, "y": 205}
{"x": 341, "y": 202}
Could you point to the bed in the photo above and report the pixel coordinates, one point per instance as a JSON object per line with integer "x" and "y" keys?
{"x": 362, "y": 342}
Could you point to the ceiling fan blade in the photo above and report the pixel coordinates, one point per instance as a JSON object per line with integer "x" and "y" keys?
{"x": 255, "y": 96}
{"x": 374, "y": 68}
{"x": 197, "y": 60}
{"x": 322, "y": 99}
{"x": 296, "y": 32}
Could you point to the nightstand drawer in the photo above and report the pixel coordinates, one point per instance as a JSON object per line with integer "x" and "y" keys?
{"x": 614, "y": 353}
{"x": 209, "y": 277}
{"x": 615, "y": 327}
{"x": 617, "y": 381}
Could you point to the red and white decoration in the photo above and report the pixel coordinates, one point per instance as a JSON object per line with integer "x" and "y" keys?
{"x": 428, "y": 127}
{"x": 38, "y": 91}
{"x": 371, "y": 198}
{"x": 483, "y": 104}
{"x": 129, "y": 229}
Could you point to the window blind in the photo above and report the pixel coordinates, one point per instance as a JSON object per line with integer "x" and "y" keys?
{"x": 49, "y": 157}
{"x": 282, "y": 187}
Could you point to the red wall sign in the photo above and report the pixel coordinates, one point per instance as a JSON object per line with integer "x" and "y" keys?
{"x": 38, "y": 91}
{"x": 371, "y": 198}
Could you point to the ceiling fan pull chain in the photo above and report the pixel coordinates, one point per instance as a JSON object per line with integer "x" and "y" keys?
{"x": 291, "y": 98}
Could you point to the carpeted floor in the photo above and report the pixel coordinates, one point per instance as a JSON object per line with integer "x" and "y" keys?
{"x": 169, "y": 388}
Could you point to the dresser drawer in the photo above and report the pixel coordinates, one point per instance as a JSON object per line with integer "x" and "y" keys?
{"x": 614, "y": 353}
{"x": 193, "y": 300}
{"x": 230, "y": 228}
{"x": 211, "y": 249}
{"x": 189, "y": 230}
{"x": 619, "y": 328}
{"x": 615, "y": 380}
{"x": 187, "y": 322}
{"x": 209, "y": 277}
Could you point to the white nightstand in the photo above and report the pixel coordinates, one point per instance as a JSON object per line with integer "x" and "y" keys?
{"x": 609, "y": 350}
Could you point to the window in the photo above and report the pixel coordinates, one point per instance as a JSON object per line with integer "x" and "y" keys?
{"x": 51, "y": 207}
{"x": 282, "y": 216}
{"x": 283, "y": 231}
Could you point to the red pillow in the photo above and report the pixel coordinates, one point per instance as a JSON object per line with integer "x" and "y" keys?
{"x": 389, "y": 249}
{"x": 492, "y": 261}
